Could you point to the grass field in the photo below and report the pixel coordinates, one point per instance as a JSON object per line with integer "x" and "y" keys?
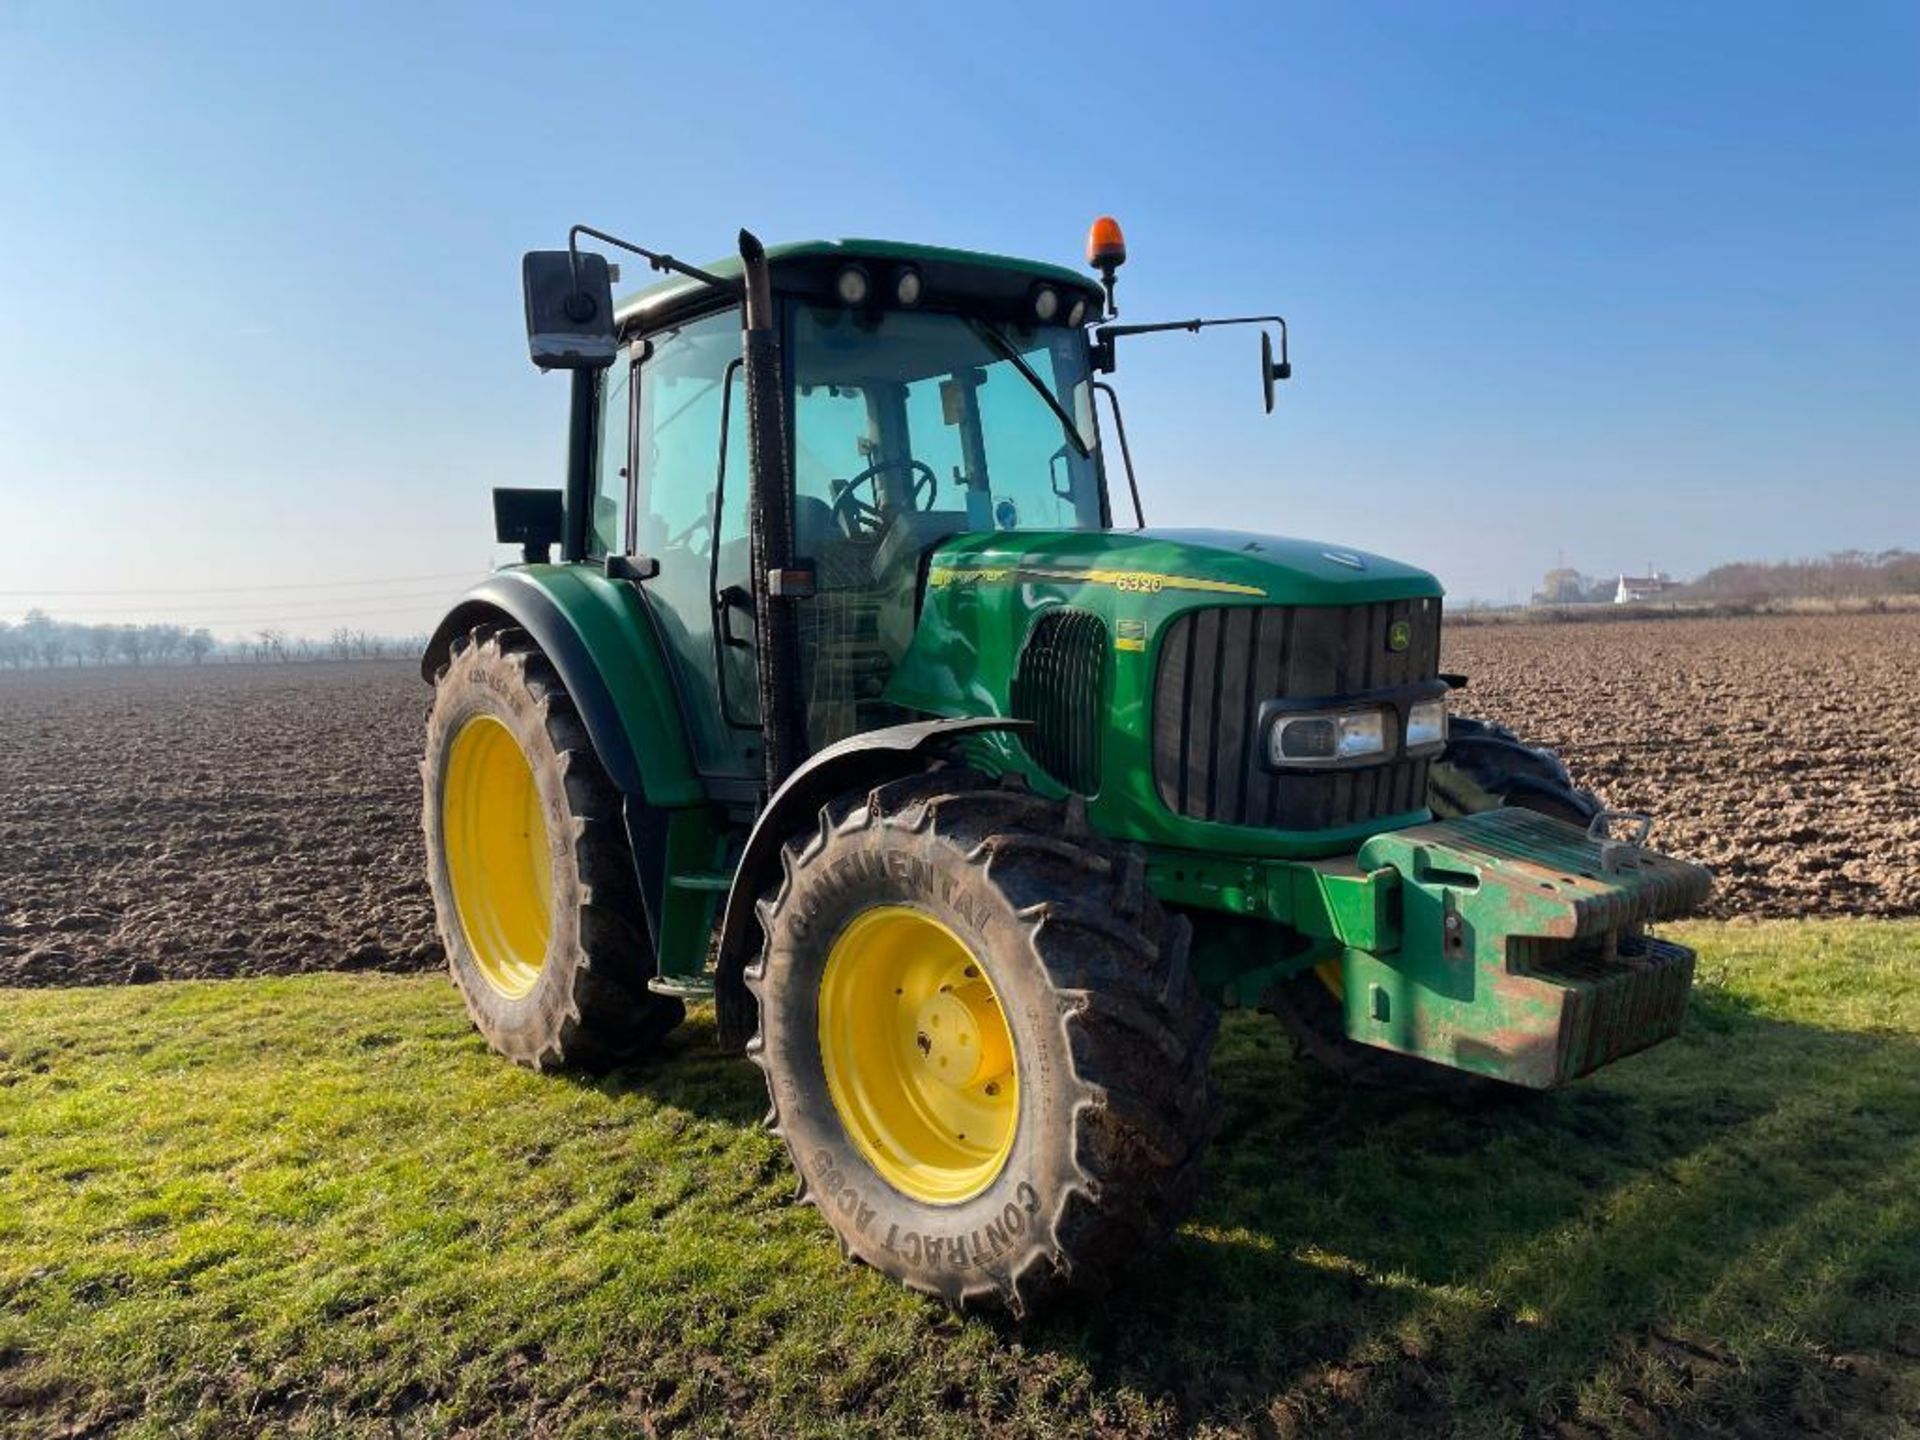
{"x": 318, "y": 1205}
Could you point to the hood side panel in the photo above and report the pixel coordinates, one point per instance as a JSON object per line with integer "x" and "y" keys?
{"x": 985, "y": 592}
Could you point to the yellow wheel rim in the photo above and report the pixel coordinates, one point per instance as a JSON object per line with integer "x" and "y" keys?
{"x": 919, "y": 1060}
{"x": 494, "y": 832}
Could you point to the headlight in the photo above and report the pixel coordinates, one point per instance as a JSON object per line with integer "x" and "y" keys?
{"x": 907, "y": 288}
{"x": 1427, "y": 725}
{"x": 1046, "y": 303}
{"x": 1327, "y": 738}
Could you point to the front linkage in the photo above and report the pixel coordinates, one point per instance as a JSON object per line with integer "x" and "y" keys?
{"x": 1506, "y": 944}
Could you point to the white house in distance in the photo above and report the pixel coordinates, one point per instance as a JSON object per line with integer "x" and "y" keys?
{"x": 1635, "y": 588}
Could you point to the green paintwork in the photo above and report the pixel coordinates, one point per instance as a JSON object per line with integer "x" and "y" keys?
{"x": 696, "y": 850}
{"x": 983, "y": 592}
{"x": 1497, "y": 990}
{"x": 608, "y": 618}
{"x": 663, "y": 294}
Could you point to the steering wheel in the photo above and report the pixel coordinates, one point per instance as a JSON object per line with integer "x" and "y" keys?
{"x": 862, "y": 518}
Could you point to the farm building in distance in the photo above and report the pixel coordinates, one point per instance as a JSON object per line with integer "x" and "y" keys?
{"x": 1642, "y": 587}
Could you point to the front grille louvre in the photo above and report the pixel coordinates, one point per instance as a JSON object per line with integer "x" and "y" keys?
{"x": 1218, "y": 666}
{"x": 1060, "y": 685}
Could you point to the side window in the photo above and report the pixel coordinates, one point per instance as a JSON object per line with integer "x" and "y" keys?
{"x": 678, "y": 449}
{"x": 607, "y": 527}
{"x": 684, "y": 386}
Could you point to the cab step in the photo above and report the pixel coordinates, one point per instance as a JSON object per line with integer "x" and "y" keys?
{"x": 681, "y": 989}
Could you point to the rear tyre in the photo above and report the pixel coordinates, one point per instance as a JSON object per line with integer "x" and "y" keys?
{"x": 1484, "y": 767}
{"x": 985, "y": 1051}
{"x": 533, "y": 885}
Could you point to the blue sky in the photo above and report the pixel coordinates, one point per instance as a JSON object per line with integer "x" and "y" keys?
{"x": 1628, "y": 283}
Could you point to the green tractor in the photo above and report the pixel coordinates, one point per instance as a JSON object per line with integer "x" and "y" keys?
{"x": 849, "y": 706}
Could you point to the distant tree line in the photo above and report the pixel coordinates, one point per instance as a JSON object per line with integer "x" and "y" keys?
{"x": 42, "y": 642}
{"x": 1844, "y": 575}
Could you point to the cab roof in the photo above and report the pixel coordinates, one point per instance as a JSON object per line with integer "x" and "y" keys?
{"x": 679, "y": 295}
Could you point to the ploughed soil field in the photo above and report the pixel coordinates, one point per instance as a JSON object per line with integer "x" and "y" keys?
{"x": 243, "y": 819}
{"x": 1779, "y": 751}
{"x": 212, "y": 820}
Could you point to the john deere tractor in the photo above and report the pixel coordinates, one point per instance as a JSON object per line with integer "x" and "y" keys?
{"x": 852, "y": 706}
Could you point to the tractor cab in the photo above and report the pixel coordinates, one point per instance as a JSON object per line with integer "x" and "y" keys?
{"x": 927, "y": 394}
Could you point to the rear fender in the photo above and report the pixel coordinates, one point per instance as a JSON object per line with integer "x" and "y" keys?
{"x": 597, "y": 634}
{"x": 858, "y": 762}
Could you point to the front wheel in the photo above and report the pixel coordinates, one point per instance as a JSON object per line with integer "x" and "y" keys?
{"x": 985, "y": 1052}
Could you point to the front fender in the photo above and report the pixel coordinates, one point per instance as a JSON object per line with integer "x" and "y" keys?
{"x": 860, "y": 760}
{"x": 599, "y": 637}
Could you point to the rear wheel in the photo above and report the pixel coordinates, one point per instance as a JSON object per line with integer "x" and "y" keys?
{"x": 986, "y": 1055}
{"x": 1484, "y": 767}
{"x": 532, "y": 879}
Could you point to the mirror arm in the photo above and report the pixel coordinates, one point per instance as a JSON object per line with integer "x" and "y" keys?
{"x": 1105, "y": 335}
{"x": 656, "y": 259}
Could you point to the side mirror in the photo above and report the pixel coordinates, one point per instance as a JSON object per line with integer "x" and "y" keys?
{"x": 1269, "y": 370}
{"x": 569, "y": 309}
{"x": 531, "y": 519}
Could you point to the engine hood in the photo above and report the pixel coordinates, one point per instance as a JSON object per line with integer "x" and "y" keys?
{"x": 984, "y": 592}
{"x": 1226, "y": 564}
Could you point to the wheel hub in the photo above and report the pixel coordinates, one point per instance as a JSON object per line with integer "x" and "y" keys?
{"x": 918, "y": 1057}
{"x": 960, "y": 1036}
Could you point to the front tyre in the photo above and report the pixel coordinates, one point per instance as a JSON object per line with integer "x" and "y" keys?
{"x": 986, "y": 1055}
{"x": 533, "y": 884}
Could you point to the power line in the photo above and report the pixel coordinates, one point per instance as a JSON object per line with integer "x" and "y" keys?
{"x": 263, "y": 622}
{"x": 341, "y": 615}
{"x": 257, "y": 622}
{"x": 295, "y": 608}
{"x": 249, "y": 589}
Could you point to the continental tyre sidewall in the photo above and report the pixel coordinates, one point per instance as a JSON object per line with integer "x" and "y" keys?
{"x": 944, "y": 1249}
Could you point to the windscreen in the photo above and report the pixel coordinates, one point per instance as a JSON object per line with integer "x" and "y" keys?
{"x": 989, "y": 425}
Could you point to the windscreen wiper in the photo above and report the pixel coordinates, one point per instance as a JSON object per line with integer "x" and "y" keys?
{"x": 993, "y": 336}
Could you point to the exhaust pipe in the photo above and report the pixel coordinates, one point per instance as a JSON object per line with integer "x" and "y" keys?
{"x": 777, "y": 581}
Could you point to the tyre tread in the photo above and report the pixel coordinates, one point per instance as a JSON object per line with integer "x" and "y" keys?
{"x": 1138, "y": 1032}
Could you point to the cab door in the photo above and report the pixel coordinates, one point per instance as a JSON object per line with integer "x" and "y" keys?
{"x": 689, "y": 513}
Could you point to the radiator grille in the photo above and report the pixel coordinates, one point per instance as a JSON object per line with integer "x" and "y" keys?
{"x": 1217, "y": 666}
{"x": 1060, "y": 685}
